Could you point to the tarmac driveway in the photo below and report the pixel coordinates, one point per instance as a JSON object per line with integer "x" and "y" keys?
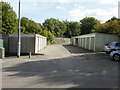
{"x": 61, "y": 66}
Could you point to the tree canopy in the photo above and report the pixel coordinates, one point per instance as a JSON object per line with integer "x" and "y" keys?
{"x": 9, "y": 19}
{"x": 29, "y": 26}
{"x": 55, "y": 26}
{"x": 88, "y": 24}
{"x": 111, "y": 27}
{"x": 73, "y": 29}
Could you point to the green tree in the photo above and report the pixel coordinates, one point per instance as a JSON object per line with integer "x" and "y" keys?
{"x": 55, "y": 26}
{"x": 49, "y": 36}
{"x": 29, "y": 26}
{"x": 111, "y": 27}
{"x": 67, "y": 32}
{"x": 73, "y": 29}
{"x": 88, "y": 24}
{"x": 9, "y": 19}
{"x": 24, "y": 25}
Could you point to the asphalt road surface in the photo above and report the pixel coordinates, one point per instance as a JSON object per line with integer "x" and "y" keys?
{"x": 61, "y": 66}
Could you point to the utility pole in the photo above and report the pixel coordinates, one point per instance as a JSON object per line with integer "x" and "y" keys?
{"x": 119, "y": 10}
{"x": 19, "y": 32}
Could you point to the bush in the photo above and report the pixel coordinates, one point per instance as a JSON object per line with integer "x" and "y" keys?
{"x": 49, "y": 36}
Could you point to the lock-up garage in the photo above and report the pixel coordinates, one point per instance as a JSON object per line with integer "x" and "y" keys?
{"x": 94, "y": 41}
{"x": 33, "y": 43}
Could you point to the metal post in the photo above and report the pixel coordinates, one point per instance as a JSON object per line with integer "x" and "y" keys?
{"x": 19, "y": 32}
{"x": 119, "y": 10}
{"x": 29, "y": 54}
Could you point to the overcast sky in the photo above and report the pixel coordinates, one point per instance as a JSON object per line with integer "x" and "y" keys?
{"x": 72, "y": 10}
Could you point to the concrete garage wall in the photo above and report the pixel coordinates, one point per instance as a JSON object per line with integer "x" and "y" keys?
{"x": 0, "y": 36}
{"x": 29, "y": 43}
{"x": 62, "y": 40}
{"x": 2, "y": 53}
{"x": 1, "y": 43}
{"x": 85, "y": 41}
{"x": 40, "y": 43}
{"x": 5, "y": 38}
{"x": 102, "y": 39}
{"x": 94, "y": 41}
{"x": 119, "y": 38}
{"x": 73, "y": 41}
{"x": 2, "y": 50}
{"x": 12, "y": 45}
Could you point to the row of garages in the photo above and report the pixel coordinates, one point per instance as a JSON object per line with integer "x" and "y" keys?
{"x": 94, "y": 41}
{"x": 35, "y": 43}
{"x": 30, "y": 43}
{"x": 62, "y": 40}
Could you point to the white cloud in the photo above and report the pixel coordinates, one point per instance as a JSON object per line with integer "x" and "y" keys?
{"x": 27, "y": 0}
{"x": 76, "y": 14}
{"x": 67, "y": 1}
{"x": 78, "y": 6}
{"x": 59, "y": 7}
{"x": 75, "y": 4}
{"x": 114, "y": 2}
{"x": 35, "y": 4}
{"x": 81, "y": 7}
{"x": 61, "y": 1}
{"x": 101, "y": 14}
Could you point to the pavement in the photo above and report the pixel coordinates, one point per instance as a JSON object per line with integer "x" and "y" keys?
{"x": 61, "y": 66}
